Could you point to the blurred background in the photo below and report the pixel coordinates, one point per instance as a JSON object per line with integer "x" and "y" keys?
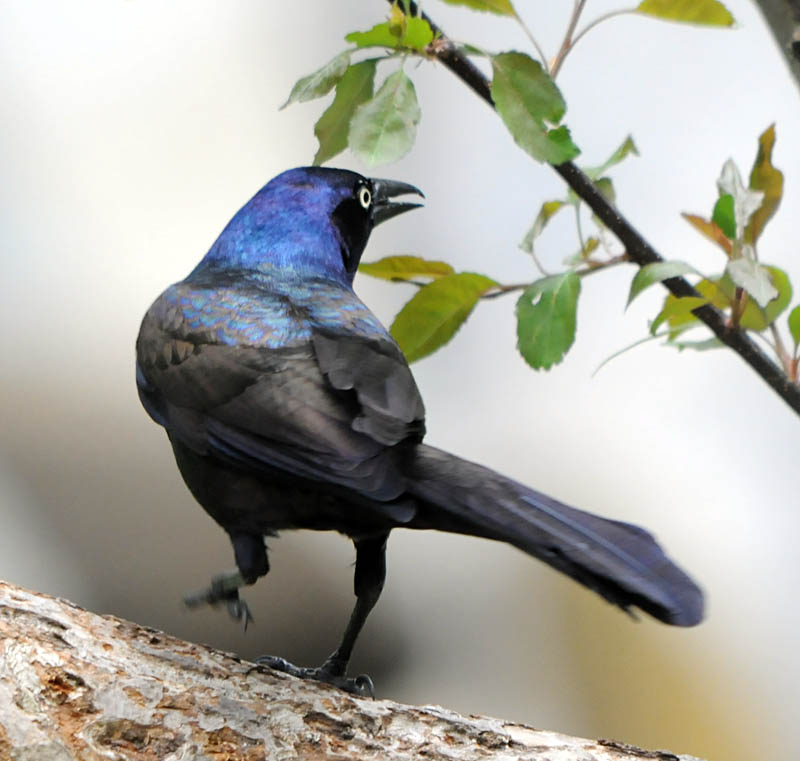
{"x": 132, "y": 130}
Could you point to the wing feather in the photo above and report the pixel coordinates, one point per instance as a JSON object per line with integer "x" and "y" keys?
{"x": 337, "y": 408}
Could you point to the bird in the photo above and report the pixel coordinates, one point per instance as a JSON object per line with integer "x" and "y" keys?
{"x": 288, "y": 405}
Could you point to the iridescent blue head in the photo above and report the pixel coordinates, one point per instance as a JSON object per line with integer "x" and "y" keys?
{"x": 307, "y": 222}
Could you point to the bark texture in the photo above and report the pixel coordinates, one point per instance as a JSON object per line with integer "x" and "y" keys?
{"x": 75, "y": 685}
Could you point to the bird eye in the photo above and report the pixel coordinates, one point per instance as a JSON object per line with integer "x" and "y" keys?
{"x": 364, "y": 197}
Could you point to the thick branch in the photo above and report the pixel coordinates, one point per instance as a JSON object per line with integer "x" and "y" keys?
{"x": 637, "y": 248}
{"x": 75, "y": 685}
{"x": 783, "y": 18}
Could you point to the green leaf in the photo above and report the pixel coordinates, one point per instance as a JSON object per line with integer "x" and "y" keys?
{"x": 432, "y": 317}
{"x": 501, "y": 7}
{"x": 794, "y": 325}
{"x": 606, "y": 187}
{"x": 546, "y": 316}
{"x": 379, "y": 36}
{"x": 589, "y": 247}
{"x": 412, "y": 32}
{"x": 320, "y": 82}
{"x": 719, "y": 292}
{"x": 383, "y": 129}
{"x": 754, "y": 278}
{"x": 677, "y": 312}
{"x": 560, "y": 145}
{"x": 756, "y": 318}
{"x": 655, "y": 273}
{"x": 418, "y": 33}
{"x": 332, "y": 128}
{"x": 546, "y": 213}
{"x": 522, "y": 81}
{"x": 722, "y": 293}
{"x": 625, "y": 149}
{"x": 768, "y": 179}
{"x": 724, "y": 216}
{"x": 526, "y": 97}
{"x": 405, "y": 268}
{"x": 709, "y": 12}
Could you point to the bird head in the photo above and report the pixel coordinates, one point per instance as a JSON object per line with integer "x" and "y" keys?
{"x": 308, "y": 222}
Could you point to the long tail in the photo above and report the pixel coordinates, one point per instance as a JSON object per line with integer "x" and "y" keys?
{"x": 621, "y": 562}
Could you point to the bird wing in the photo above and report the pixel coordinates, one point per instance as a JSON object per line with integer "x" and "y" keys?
{"x": 322, "y": 405}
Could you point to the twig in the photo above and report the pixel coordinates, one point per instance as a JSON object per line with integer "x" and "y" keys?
{"x": 567, "y": 44}
{"x": 638, "y": 249}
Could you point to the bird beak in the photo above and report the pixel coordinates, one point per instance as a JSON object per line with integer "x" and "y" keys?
{"x": 383, "y": 190}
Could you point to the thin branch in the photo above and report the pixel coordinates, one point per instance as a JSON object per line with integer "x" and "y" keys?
{"x": 502, "y": 290}
{"x": 783, "y": 18}
{"x": 639, "y": 250}
{"x": 592, "y": 267}
{"x": 567, "y": 44}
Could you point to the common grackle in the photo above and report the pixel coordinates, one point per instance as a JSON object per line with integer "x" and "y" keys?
{"x": 289, "y": 406}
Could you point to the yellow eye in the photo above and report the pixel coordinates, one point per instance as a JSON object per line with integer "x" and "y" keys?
{"x": 364, "y": 197}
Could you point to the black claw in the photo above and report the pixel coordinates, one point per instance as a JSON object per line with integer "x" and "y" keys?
{"x": 274, "y": 662}
{"x": 364, "y": 686}
{"x": 239, "y": 610}
{"x": 361, "y": 685}
{"x": 223, "y": 589}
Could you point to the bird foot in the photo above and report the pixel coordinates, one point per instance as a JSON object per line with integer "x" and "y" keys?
{"x": 224, "y": 589}
{"x": 329, "y": 673}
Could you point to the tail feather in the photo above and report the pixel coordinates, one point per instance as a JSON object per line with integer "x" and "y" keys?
{"x": 621, "y": 562}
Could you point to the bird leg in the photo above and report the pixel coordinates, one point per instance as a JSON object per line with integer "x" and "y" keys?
{"x": 224, "y": 588}
{"x": 252, "y": 563}
{"x": 370, "y": 574}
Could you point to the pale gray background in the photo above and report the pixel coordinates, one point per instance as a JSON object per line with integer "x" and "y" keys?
{"x": 131, "y": 131}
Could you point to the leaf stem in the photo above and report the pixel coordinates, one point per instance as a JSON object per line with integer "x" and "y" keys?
{"x": 538, "y": 264}
{"x": 567, "y": 43}
{"x": 579, "y": 227}
{"x": 532, "y": 39}
{"x": 594, "y": 266}
{"x": 788, "y": 363}
{"x": 627, "y": 348}
{"x": 592, "y": 24}
{"x": 502, "y": 290}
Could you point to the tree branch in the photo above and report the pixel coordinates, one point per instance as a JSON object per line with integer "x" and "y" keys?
{"x": 75, "y": 685}
{"x": 783, "y": 18}
{"x": 637, "y": 248}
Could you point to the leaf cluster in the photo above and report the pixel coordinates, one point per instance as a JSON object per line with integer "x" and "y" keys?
{"x": 379, "y": 126}
{"x": 752, "y": 295}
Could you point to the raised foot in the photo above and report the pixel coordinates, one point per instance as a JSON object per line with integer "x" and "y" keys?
{"x": 224, "y": 589}
{"x": 328, "y": 672}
